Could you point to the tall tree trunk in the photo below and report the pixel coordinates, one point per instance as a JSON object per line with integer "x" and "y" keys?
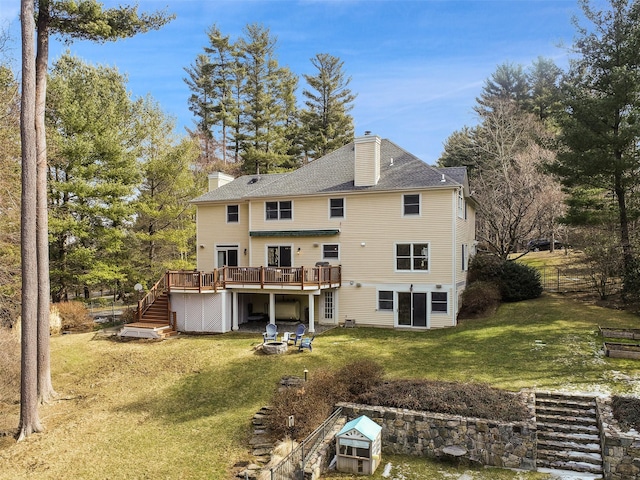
{"x": 45, "y": 387}
{"x": 29, "y": 419}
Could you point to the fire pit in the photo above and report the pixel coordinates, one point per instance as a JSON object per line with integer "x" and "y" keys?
{"x": 275, "y": 348}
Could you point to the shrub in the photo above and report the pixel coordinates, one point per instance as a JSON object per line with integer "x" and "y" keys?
{"x": 626, "y": 410}
{"x": 452, "y": 398}
{"x": 519, "y": 282}
{"x": 479, "y": 299}
{"x": 485, "y": 268}
{"x": 515, "y": 281}
{"x": 10, "y": 371}
{"x": 359, "y": 376}
{"x": 309, "y": 409}
{"x": 312, "y": 403}
{"x": 55, "y": 321}
{"x": 74, "y": 315}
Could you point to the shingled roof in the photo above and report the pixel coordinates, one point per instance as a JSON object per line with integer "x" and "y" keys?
{"x": 334, "y": 173}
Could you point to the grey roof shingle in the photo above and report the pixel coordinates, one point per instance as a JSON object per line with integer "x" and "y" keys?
{"x": 334, "y": 173}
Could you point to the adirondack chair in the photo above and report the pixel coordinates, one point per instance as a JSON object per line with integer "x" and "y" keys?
{"x": 271, "y": 334}
{"x": 306, "y": 343}
{"x": 300, "y": 330}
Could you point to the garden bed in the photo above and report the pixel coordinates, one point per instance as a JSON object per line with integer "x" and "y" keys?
{"x": 630, "y": 333}
{"x": 622, "y": 350}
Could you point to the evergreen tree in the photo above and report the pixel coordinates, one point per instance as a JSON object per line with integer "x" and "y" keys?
{"x": 265, "y": 106}
{"x": 600, "y": 130}
{"x": 460, "y": 150}
{"x": 10, "y": 198}
{"x": 507, "y": 83}
{"x": 326, "y": 119}
{"x": 164, "y": 228}
{"x": 545, "y": 100}
{"x": 94, "y": 127}
{"x": 201, "y": 103}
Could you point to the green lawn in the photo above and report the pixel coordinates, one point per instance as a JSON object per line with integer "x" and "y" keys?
{"x": 182, "y": 408}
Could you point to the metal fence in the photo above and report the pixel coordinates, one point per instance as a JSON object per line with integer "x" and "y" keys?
{"x": 292, "y": 466}
{"x": 556, "y": 279}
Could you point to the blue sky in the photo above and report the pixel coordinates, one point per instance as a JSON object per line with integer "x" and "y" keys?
{"x": 416, "y": 66}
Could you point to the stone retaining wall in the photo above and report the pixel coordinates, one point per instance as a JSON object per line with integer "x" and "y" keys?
{"x": 620, "y": 450}
{"x": 409, "y": 432}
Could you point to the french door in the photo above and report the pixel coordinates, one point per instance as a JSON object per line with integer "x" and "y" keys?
{"x": 412, "y": 309}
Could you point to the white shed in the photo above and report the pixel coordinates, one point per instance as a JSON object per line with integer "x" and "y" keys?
{"x": 359, "y": 446}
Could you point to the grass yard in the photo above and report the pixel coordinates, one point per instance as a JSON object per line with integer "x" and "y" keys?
{"x": 182, "y": 408}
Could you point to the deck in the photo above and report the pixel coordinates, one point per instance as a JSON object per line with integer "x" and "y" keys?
{"x": 286, "y": 278}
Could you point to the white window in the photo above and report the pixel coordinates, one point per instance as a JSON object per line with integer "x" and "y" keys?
{"x": 462, "y": 208}
{"x": 412, "y": 256}
{"x": 330, "y": 251}
{"x": 279, "y": 210}
{"x": 439, "y": 302}
{"x": 233, "y": 214}
{"x": 336, "y": 208}
{"x": 411, "y": 204}
{"x": 385, "y": 300}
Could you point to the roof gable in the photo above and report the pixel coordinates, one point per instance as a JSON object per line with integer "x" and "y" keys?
{"x": 362, "y": 427}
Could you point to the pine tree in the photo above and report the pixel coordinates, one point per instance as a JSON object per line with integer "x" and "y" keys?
{"x": 600, "y": 130}
{"x": 326, "y": 119}
{"x": 94, "y": 173}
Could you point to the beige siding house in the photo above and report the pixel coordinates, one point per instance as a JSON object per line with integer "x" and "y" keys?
{"x": 368, "y": 233}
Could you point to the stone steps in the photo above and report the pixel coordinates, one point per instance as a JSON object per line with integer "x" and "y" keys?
{"x": 568, "y": 436}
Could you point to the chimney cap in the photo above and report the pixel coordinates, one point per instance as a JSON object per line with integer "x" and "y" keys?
{"x": 367, "y": 132}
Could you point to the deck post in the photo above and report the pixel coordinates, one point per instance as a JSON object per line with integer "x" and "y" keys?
{"x": 234, "y": 316}
{"x": 261, "y": 276}
{"x": 301, "y": 278}
{"x": 272, "y": 308}
{"x": 312, "y": 315}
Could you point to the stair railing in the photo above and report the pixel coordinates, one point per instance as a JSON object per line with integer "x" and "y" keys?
{"x": 158, "y": 289}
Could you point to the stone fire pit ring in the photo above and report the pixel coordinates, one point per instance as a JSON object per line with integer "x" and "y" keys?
{"x": 275, "y": 348}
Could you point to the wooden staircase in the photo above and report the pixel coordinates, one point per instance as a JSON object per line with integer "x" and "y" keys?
{"x": 154, "y": 322}
{"x": 568, "y": 435}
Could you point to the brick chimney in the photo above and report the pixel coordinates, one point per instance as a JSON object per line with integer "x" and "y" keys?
{"x": 367, "y": 166}
{"x": 218, "y": 179}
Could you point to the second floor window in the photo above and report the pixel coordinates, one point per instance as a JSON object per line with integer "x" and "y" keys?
{"x": 279, "y": 210}
{"x": 233, "y": 215}
{"x": 412, "y": 256}
{"x": 411, "y": 205}
{"x": 336, "y": 208}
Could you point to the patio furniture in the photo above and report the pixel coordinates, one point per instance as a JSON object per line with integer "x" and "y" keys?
{"x": 271, "y": 335}
{"x": 300, "y": 330}
{"x": 306, "y": 343}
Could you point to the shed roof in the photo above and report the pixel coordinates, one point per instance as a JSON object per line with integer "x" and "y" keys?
{"x": 363, "y": 425}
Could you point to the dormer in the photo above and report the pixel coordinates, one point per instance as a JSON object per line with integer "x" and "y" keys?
{"x": 367, "y": 160}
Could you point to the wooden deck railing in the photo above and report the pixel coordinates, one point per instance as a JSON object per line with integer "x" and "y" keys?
{"x": 262, "y": 277}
